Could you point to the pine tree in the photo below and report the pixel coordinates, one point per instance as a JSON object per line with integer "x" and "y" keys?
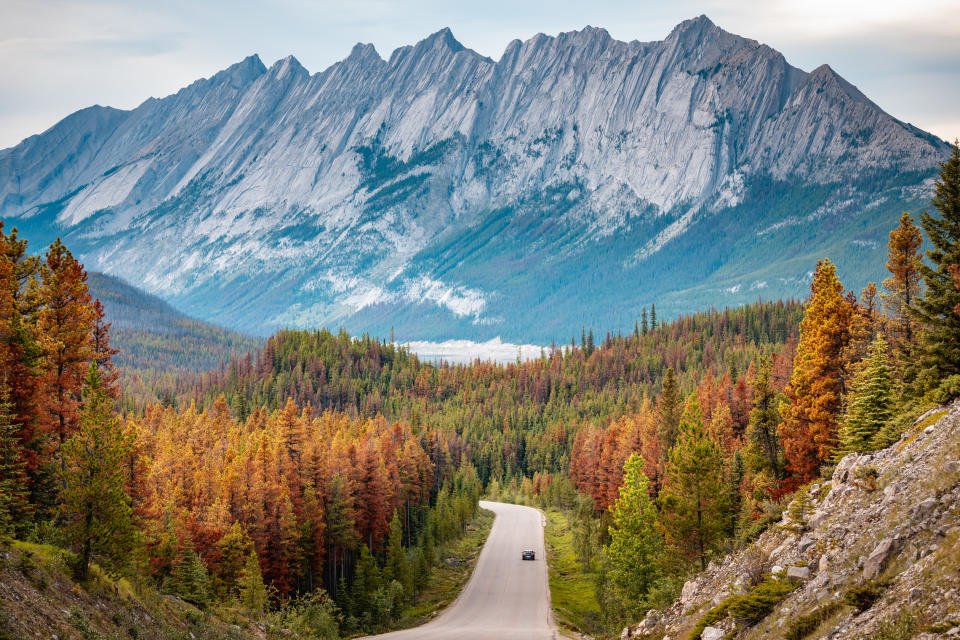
{"x": 253, "y": 593}
{"x": 634, "y": 543}
{"x": 763, "y": 446}
{"x": 12, "y": 476}
{"x": 64, "y": 324}
{"x": 870, "y": 405}
{"x": 903, "y": 285}
{"x": 669, "y": 408}
{"x": 817, "y": 385}
{"x": 190, "y": 581}
{"x": 98, "y": 520}
{"x": 397, "y": 567}
{"x": 939, "y": 347}
{"x": 694, "y": 497}
{"x": 644, "y": 327}
{"x": 234, "y": 549}
{"x": 798, "y": 511}
{"x": 653, "y": 316}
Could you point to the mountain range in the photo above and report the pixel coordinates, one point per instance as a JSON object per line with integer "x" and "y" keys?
{"x": 443, "y": 194}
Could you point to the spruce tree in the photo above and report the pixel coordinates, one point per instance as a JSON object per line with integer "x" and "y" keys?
{"x": 763, "y": 446}
{"x": 189, "y": 580}
{"x": 939, "y": 347}
{"x": 253, "y": 593}
{"x": 870, "y": 404}
{"x": 12, "y": 476}
{"x": 98, "y": 520}
{"x": 396, "y": 567}
{"x": 694, "y": 497}
{"x": 668, "y": 413}
{"x": 634, "y": 543}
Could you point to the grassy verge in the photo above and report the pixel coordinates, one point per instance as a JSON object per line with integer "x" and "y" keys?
{"x": 572, "y": 593}
{"x": 451, "y": 574}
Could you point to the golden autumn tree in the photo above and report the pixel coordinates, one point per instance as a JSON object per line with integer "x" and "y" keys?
{"x": 815, "y": 392}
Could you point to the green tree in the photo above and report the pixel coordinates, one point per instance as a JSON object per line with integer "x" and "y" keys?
{"x": 12, "y": 476}
{"x": 763, "y": 447}
{"x": 189, "y": 580}
{"x": 253, "y": 593}
{"x": 870, "y": 405}
{"x": 634, "y": 541}
{"x": 397, "y": 568}
{"x": 669, "y": 408}
{"x": 235, "y": 548}
{"x": 939, "y": 348}
{"x": 694, "y": 496}
{"x": 98, "y": 520}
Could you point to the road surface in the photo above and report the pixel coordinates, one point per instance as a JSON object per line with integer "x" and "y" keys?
{"x": 506, "y": 597}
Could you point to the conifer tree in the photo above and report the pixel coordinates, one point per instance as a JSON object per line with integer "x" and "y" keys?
{"x": 815, "y": 392}
{"x": 634, "y": 542}
{"x": 694, "y": 498}
{"x": 12, "y": 477}
{"x": 669, "y": 408}
{"x": 253, "y": 593}
{"x": 940, "y": 338}
{"x": 763, "y": 448}
{"x": 903, "y": 285}
{"x": 190, "y": 581}
{"x": 653, "y": 316}
{"x": 64, "y": 324}
{"x": 98, "y": 520}
{"x": 870, "y": 405}
{"x": 397, "y": 567}
{"x": 644, "y": 327}
{"x": 234, "y": 549}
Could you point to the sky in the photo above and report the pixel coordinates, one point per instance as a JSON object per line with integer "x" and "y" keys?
{"x": 58, "y": 56}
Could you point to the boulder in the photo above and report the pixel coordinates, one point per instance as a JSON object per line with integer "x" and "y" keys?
{"x": 877, "y": 560}
{"x": 712, "y": 633}
{"x": 805, "y": 543}
{"x": 776, "y": 569}
{"x": 925, "y": 508}
{"x": 798, "y": 573}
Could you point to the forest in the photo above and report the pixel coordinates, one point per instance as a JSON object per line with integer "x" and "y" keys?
{"x": 321, "y": 475}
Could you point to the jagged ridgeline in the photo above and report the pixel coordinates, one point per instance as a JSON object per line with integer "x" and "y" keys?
{"x": 571, "y": 182}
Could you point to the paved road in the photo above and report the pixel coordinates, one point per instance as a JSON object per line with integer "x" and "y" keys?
{"x": 506, "y": 598}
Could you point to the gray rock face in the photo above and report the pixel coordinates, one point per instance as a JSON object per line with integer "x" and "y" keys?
{"x": 798, "y": 573}
{"x": 877, "y": 560}
{"x": 336, "y": 191}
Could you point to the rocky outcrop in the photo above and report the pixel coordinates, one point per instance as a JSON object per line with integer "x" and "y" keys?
{"x": 898, "y": 543}
{"x": 338, "y": 191}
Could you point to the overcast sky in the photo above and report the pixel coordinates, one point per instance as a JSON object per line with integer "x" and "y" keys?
{"x": 57, "y": 56}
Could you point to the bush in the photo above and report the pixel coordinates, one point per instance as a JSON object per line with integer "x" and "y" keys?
{"x": 750, "y": 607}
{"x": 865, "y": 477}
{"x": 803, "y": 626}
{"x": 862, "y": 596}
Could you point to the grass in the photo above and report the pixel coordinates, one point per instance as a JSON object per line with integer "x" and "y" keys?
{"x": 448, "y": 579}
{"x": 572, "y": 592}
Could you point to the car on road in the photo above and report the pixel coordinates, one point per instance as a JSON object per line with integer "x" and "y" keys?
{"x": 528, "y": 554}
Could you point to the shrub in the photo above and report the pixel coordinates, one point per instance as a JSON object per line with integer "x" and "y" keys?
{"x": 804, "y": 626}
{"x": 862, "y": 596}
{"x": 750, "y": 607}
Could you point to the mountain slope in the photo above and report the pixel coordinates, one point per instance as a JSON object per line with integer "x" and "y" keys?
{"x": 876, "y": 555}
{"x": 152, "y": 335}
{"x": 446, "y": 194}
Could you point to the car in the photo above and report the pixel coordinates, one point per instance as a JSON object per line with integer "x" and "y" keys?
{"x": 528, "y": 554}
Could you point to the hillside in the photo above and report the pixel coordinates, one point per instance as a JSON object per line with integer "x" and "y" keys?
{"x": 438, "y": 192}
{"x": 875, "y": 556}
{"x": 153, "y": 335}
